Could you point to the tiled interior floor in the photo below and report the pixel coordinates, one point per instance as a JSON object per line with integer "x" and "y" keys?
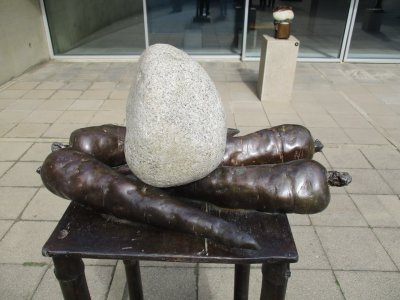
{"x": 349, "y": 251}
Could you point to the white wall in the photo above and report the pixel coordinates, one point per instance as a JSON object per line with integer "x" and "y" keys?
{"x": 22, "y": 37}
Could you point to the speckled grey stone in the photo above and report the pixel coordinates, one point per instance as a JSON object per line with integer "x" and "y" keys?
{"x": 175, "y": 120}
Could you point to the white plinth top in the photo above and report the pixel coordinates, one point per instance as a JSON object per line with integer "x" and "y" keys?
{"x": 271, "y": 39}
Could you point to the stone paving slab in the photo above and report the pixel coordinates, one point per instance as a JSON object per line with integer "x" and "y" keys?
{"x": 350, "y": 120}
{"x": 388, "y": 122}
{"x": 296, "y": 219}
{"x": 82, "y": 105}
{"x": 37, "y": 152}
{"x": 317, "y": 120}
{"x": 24, "y": 85}
{"x": 28, "y": 130}
{"x": 4, "y": 103}
{"x": 348, "y": 251}
{"x": 367, "y": 181}
{"x": 313, "y": 284}
{"x": 49, "y": 85}
{"x": 98, "y": 279}
{"x": 72, "y": 117}
{"x": 20, "y": 281}
{"x": 8, "y": 116}
{"x": 216, "y": 283}
{"x": 113, "y": 104}
{"x": 277, "y": 119}
{"x": 45, "y": 206}
{"x": 383, "y": 158}
{"x": 12, "y": 94}
{"x": 13, "y": 201}
{"x": 390, "y": 239}
{"x": 340, "y": 212}
{"x": 366, "y": 136}
{"x": 25, "y": 104}
{"x": 335, "y": 136}
{"x": 321, "y": 158}
{"x": 110, "y": 116}
{"x": 369, "y": 285}
{"x": 23, "y": 242}
{"x": 165, "y": 264}
{"x": 354, "y": 248}
{"x": 4, "y": 166}
{"x": 62, "y": 130}
{"x": 59, "y": 105}
{"x": 13, "y": 177}
{"x": 13, "y": 150}
{"x": 393, "y": 178}
{"x": 99, "y": 262}
{"x": 4, "y": 226}
{"x": 169, "y": 283}
{"x": 311, "y": 253}
{"x": 42, "y": 116}
{"x": 379, "y": 210}
{"x": 346, "y": 158}
{"x": 118, "y": 284}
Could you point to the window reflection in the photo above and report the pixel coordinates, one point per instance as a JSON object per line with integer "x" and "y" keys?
{"x": 86, "y": 27}
{"x": 319, "y": 25}
{"x": 200, "y": 27}
{"x": 376, "y": 30}
{"x": 215, "y": 27}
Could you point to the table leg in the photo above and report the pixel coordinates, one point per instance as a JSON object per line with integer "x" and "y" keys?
{"x": 70, "y": 272}
{"x": 241, "y": 289}
{"x": 274, "y": 281}
{"x": 133, "y": 279}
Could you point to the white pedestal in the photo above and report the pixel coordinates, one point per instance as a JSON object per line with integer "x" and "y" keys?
{"x": 277, "y": 69}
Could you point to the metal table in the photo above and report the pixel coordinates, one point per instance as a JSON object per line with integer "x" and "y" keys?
{"x": 82, "y": 233}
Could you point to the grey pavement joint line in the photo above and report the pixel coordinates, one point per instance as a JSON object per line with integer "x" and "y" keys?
{"x": 376, "y": 236}
{"x": 369, "y": 161}
{"x": 33, "y": 140}
{"x": 327, "y": 258}
{"x": 18, "y": 218}
{"x": 12, "y": 128}
{"x": 55, "y": 71}
{"x": 8, "y": 83}
{"x": 197, "y": 272}
{"x": 111, "y": 281}
{"x": 371, "y": 121}
{"x": 40, "y": 281}
{"x": 266, "y": 115}
{"x": 10, "y": 167}
{"x": 125, "y": 295}
{"x": 380, "y": 175}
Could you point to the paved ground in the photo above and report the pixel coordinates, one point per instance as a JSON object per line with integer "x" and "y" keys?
{"x": 350, "y": 251}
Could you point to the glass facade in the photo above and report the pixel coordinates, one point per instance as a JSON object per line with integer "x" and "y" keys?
{"x": 376, "y": 32}
{"x": 216, "y": 27}
{"x": 319, "y": 25}
{"x": 96, "y": 27}
{"x": 202, "y": 27}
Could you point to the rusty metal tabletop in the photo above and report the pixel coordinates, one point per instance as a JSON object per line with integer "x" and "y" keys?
{"x": 87, "y": 234}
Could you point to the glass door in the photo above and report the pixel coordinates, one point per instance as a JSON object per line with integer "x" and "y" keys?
{"x": 199, "y": 27}
{"x": 376, "y": 32}
{"x": 351, "y": 30}
{"x": 319, "y": 25}
{"x": 101, "y": 27}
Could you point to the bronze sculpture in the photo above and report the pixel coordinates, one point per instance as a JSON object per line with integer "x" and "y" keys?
{"x": 273, "y": 145}
{"x": 300, "y": 186}
{"x": 91, "y": 171}
{"x": 268, "y": 146}
{"x": 283, "y": 16}
{"x": 80, "y": 177}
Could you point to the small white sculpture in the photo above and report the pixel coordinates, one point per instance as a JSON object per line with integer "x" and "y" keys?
{"x": 283, "y": 16}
